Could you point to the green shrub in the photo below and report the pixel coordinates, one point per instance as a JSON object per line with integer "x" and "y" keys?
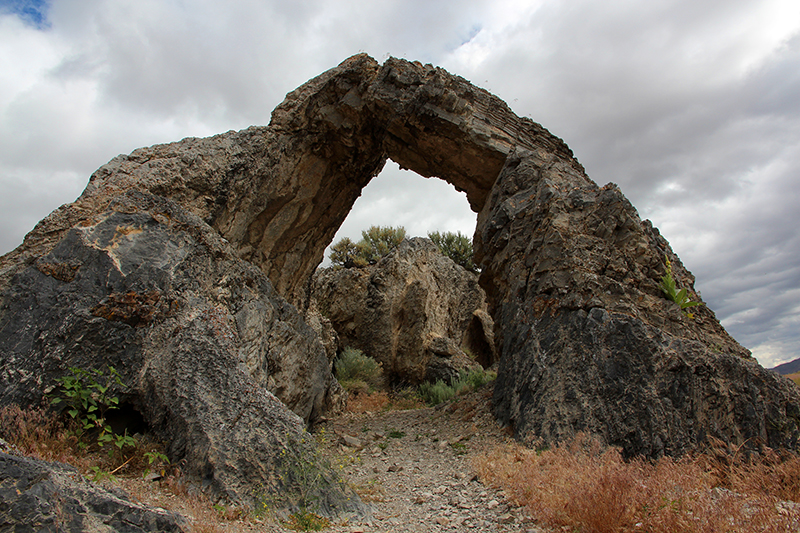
{"x": 357, "y": 372}
{"x": 375, "y": 243}
{"x": 436, "y": 393}
{"x": 467, "y": 380}
{"x": 477, "y": 377}
{"x": 456, "y": 246}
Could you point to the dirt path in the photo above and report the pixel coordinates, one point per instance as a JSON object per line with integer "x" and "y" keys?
{"x": 415, "y": 468}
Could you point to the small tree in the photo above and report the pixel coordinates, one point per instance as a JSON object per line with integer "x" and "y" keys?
{"x": 456, "y": 246}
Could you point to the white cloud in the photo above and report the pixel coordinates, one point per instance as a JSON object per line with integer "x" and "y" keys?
{"x": 691, "y": 107}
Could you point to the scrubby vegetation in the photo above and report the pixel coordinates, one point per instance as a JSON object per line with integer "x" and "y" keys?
{"x": 378, "y": 241}
{"x": 468, "y": 380}
{"x": 375, "y": 243}
{"x": 358, "y": 372}
{"x": 456, "y": 246}
{"x": 582, "y": 486}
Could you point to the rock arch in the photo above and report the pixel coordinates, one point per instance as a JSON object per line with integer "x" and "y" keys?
{"x": 586, "y": 341}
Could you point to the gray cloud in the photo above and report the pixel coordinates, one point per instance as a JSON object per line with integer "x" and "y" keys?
{"x": 691, "y": 107}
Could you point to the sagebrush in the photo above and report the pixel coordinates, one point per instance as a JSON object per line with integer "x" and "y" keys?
{"x": 358, "y": 372}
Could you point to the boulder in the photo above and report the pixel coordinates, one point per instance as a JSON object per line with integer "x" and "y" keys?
{"x": 38, "y": 495}
{"x": 415, "y": 311}
{"x": 213, "y": 359}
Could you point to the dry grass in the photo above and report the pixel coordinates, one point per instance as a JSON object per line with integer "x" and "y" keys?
{"x": 37, "y": 433}
{"x": 794, "y": 377}
{"x": 582, "y": 487}
{"x": 364, "y": 402}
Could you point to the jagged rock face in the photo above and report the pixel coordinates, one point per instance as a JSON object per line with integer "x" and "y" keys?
{"x": 587, "y": 340}
{"x": 199, "y": 336}
{"x": 43, "y": 496}
{"x": 415, "y": 312}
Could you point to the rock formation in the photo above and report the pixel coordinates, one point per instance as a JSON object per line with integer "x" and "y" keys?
{"x": 41, "y": 496}
{"x": 587, "y": 340}
{"x": 198, "y": 335}
{"x": 415, "y": 312}
{"x": 170, "y": 263}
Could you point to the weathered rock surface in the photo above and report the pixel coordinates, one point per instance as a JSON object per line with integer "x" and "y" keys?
{"x": 42, "y": 496}
{"x": 415, "y": 312}
{"x": 585, "y": 339}
{"x": 200, "y": 337}
{"x": 588, "y": 341}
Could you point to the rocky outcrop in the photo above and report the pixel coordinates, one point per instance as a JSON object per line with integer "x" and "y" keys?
{"x": 42, "y": 496}
{"x": 183, "y": 264}
{"x": 415, "y": 312}
{"x": 214, "y": 359}
{"x": 589, "y": 343}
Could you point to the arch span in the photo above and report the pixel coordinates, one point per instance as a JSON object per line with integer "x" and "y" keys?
{"x": 586, "y": 340}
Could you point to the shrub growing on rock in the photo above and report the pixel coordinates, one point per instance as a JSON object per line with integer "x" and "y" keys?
{"x": 375, "y": 243}
{"x": 456, "y": 246}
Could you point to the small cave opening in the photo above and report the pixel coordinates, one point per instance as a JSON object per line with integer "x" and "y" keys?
{"x": 126, "y": 418}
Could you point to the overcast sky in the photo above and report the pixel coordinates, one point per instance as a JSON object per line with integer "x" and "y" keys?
{"x": 692, "y": 107}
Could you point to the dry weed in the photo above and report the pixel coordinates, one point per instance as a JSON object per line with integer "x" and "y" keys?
{"x": 581, "y": 486}
{"x": 37, "y": 433}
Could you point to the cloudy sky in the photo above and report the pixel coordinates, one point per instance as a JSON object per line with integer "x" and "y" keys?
{"x": 691, "y": 106}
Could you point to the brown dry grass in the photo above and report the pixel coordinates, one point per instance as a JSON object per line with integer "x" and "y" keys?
{"x": 583, "y": 487}
{"x": 794, "y": 377}
{"x": 363, "y": 402}
{"x": 37, "y": 433}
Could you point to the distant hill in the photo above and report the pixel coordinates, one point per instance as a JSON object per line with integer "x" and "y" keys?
{"x": 788, "y": 368}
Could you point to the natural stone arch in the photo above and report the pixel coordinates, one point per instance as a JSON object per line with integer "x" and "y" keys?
{"x": 586, "y": 340}
{"x": 334, "y": 135}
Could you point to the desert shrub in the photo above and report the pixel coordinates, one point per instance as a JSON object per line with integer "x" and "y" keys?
{"x": 582, "y": 486}
{"x": 456, "y": 246}
{"x": 375, "y": 243}
{"x": 358, "y": 372}
{"x": 467, "y": 381}
{"x": 436, "y": 393}
{"x": 475, "y": 378}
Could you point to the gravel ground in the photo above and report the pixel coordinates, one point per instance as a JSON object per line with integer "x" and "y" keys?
{"x": 415, "y": 468}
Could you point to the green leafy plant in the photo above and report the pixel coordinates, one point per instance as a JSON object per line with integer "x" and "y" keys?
{"x": 89, "y": 398}
{"x": 154, "y": 460}
{"x": 670, "y": 289}
{"x": 100, "y": 475}
{"x": 456, "y": 246}
{"x": 375, "y": 243}
{"x": 357, "y": 372}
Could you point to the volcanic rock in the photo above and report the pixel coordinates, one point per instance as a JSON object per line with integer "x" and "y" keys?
{"x": 415, "y": 311}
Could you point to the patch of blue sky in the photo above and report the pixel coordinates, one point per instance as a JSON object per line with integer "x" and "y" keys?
{"x": 32, "y": 12}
